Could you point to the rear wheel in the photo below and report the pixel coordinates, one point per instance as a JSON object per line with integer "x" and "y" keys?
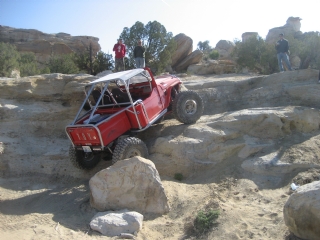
{"x": 83, "y": 160}
{"x": 187, "y": 107}
{"x": 129, "y": 147}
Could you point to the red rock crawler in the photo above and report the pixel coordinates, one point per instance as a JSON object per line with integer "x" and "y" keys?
{"x": 121, "y": 104}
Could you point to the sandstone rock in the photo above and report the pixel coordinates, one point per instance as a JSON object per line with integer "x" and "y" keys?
{"x": 192, "y": 58}
{"x": 115, "y": 223}
{"x": 213, "y": 67}
{"x": 44, "y": 45}
{"x": 35, "y": 110}
{"x": 134, "y": 184}
{"x": 1, "y": 148}
{"x": 247, "y": 35}
{"x": 225, "y": 48}
{"x": 295, "y": 61}
{"x": 289, "y": 29}
{"x": 213, "y": 141}
{"x": 184, "y": 48}
{"x": 40, "y": 87}
{"x": 294, "y": 23}
{"x": 302, "y": 211}
{"x": 15, "y": 74}
{"x": 33, "y": 114}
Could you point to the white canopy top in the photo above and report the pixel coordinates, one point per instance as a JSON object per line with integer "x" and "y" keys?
{"x": 125, "y": 75}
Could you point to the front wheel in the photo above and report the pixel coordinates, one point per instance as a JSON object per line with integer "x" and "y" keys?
{"x": 187, "y": 107}
{"x": 83, "y": 160}
{"x": 129, "y": 147}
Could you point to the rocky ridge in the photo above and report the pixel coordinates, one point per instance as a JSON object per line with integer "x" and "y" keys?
{"x": 263, "y": 130}
{"x": 45, "y": 45}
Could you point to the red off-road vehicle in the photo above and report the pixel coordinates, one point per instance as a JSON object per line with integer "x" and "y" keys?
{"x": 121, "y": 104}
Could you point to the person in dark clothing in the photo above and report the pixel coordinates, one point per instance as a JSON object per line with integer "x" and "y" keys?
{"x": 138, "y": 54}
{"x": 282, "y": 47}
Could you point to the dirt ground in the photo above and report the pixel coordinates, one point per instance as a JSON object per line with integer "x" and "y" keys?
{"x": 42, "y": 207}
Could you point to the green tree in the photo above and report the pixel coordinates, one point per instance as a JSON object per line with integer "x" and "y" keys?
{"x": 204, "y": 46}
{"x": 82, "y": 60}
{"x": 9, "y": 59}
{"x": 256, "y": 55}
{"x": 307, "y": 48}
{"x": 63, "y": 64}
{"x": 214, "y": 54}
{"x": 102, "y": 62}
{"x": 159, "y": 44}
{"x": 28, "y": 65}
{"x": 45, "y": 70}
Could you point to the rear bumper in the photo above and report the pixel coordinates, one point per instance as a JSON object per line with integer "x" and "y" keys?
{"x": 84, "y": 135}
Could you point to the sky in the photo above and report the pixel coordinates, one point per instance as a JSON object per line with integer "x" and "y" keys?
{"x": 201, "y": 20}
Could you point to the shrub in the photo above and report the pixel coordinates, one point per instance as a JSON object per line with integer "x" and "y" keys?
{"x": 28, "y": 65}
{"x": 214, "y": 54}
{"x": 178, "y": 176}
{"x": 256, "y": 55}
{"x": 206, "y": 220}
{"x": 63, "y": 64}
{"x": 307, "y": 47}
{"x": 9, "y": 59}
{"x": 45, "y": 70}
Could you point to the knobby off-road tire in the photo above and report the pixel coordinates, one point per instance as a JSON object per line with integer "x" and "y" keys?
{"x": 83, "y": 160}
{"x": 187, "y": 107}
{"x": 129, "y": 147}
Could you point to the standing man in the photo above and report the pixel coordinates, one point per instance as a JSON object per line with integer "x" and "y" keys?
{"x": 120, "y": 51}
{"x": 138, "y": 54}
{"x": 282, "y": 47}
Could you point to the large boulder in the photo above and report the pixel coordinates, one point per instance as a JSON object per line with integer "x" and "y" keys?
{"x": 134, "y": 184}
{"x": 295, "y": 61}
{"x": 45, "y": 45}
{"x": 225, "y": 48}
{"x": 302, "y": 211}
{"x": 184, "y": 48}
{"x": 247, "y": 35}
{"x": 192, "y": 58}
{"x": 115, "y": 223}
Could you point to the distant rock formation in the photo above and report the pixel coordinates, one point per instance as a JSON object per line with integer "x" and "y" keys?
{"x": 225, "y": 48}
{"x": 292, "y": 27}
{"x": 44, "y": 45}
{"x": 247, "y": 35}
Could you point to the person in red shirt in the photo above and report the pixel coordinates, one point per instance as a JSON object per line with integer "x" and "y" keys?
{"x": 120, "y": 51}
